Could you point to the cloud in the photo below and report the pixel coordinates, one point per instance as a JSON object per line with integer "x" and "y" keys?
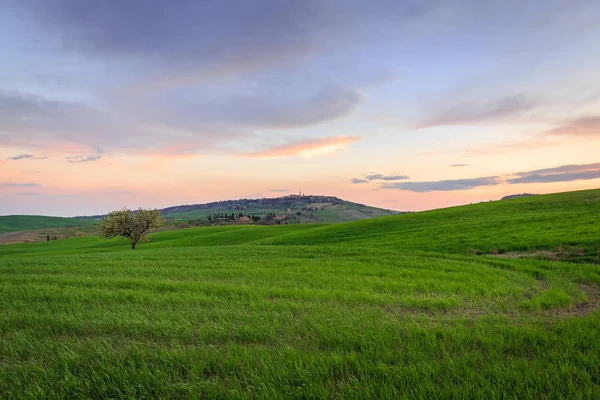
{"x": 562, "y": 169}
{"x": 22, "y": 184}
{"x": 82, "y": 159}
{"x": 580, "y": 127}
{"x": 378, "y": 177}
{"x": 25, "y": 118}
{"x": 463, "y": 114}
{"x": 564, "y": 173}
{"x": 28, "y": 120}
{"x": 446, "y": 185}
{"x": 25, "y": 157}
{"x": 386, "y": 177}
{"x": 189, "y": 40}
{"x": 459, "y": 165}
{"x": 514, "y": 146}
{"x": 194, "y": 123}
{"x": 307, "y": 148}
{"x": 28, "y": 194}
{"x": 279, "y": 190}
{"x": 20, "y": 157}
{"x": 223, "y": 73}
{"x": 266, "y": 107}
{"x": 281, "y": 112}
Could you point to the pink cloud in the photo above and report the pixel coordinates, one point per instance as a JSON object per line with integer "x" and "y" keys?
{"x": 581, "y": 127}
{"x": 307, "y": 148}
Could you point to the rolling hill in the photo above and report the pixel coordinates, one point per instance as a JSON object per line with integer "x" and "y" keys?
{"x": 295, "y": 209}
{"x": 564, "y": 223}
{"x": 438, "y": 304}
{"x": 14, "y": 223}
{"x": 544, "y": 222}
{"x": 303, "y": 208}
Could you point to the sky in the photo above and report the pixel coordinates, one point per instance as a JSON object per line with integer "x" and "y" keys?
{"x": 401, "y": 104}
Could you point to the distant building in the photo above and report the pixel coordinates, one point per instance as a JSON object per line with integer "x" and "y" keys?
{"x": 245, "y": 219}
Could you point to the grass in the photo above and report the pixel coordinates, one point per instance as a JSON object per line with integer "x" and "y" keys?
{"x": 556, "y": 222}
{"x": 14, "y": 223}
{"x": 223, "y": 312}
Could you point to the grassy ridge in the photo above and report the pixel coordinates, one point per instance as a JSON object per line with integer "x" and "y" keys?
{"x": 218, "y": 312}
{"x": 14, "y": 223}
{"x": 544, "y": 222}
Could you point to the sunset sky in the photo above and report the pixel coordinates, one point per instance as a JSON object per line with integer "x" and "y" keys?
{"x": 407, "y": 105}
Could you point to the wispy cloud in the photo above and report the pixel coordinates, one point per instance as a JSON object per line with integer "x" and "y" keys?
{"x": 85, "y": 159}
{"x": 279, "y": 190}
{"x": 25, "y": 157}
{"x": 307, "y": 148}
{"x": 514, "y": 146}
{"x": 28, "y": 194}
{"x": 445, "y": 185}
{"x": 29, "y": 184}
{"x": 580, "y": 127}
{"x": 562, "y": 169}
{"x": 378, "y": 177}
{"x": 564, "y": 173}
{"x": 469, "y": 113}
{"x": 20, "y": 157}
{"x": 459, "y": 165}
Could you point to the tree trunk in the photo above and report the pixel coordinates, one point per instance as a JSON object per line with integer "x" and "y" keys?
{"x": 133, "y": 245}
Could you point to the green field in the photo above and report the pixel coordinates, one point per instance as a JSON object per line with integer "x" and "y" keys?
{"x": 14, "y": 223}
{"x": 440, "y": 304}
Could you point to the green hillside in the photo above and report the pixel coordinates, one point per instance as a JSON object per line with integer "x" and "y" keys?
{"x": 299, "y": 209}
{"x": 570, "y": 221}
{"x": 394, "y": 307}
{"x": 329, "y": 214}
{"x": 14, "y": 223}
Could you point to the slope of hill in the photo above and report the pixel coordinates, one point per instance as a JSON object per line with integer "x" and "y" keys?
{"x": 300, "y": 208}
{"x": 14, "y": 223}
{"x": 562, "y": 222}
{"x": 303, "y": 208}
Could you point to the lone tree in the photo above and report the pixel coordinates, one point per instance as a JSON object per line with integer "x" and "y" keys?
{"x": 131, "y": 225}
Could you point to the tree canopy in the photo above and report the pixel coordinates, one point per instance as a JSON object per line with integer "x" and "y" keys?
{"x": 129, "y": 224}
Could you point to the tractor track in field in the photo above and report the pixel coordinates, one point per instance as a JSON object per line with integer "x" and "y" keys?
{"x": 592, "y": 302}
{"x": 579, "y": 309}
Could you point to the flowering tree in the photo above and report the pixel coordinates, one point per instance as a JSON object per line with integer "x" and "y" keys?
{"x": 131, "y": 225}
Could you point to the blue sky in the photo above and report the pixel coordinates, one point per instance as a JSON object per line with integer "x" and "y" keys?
{"x": 150, "y": 103}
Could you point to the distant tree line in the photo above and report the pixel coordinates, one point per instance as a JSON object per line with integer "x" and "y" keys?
{"x": 232, "y": 217}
